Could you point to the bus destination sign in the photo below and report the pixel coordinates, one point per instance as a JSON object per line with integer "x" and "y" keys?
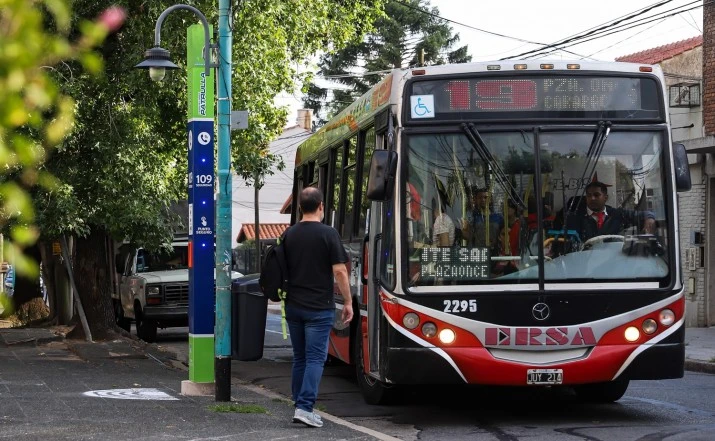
{"x": 460, "y": 263}
{"x": 531, "y": 96}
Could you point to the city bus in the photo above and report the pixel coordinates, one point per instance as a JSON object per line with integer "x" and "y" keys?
{"x": 467, "y": 197}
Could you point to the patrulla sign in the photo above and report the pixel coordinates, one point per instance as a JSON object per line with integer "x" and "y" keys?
{"x": 202, "y": 222}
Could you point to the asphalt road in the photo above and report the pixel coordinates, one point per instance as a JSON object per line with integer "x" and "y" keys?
{"x": 668, "y": 410}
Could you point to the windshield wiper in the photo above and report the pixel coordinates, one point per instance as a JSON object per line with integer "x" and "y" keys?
{"x": 594, "y": 152}
{"x": 475, "y": 139}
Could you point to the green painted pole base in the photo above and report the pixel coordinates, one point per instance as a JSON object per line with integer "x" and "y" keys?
{"x": 201, "y": 358}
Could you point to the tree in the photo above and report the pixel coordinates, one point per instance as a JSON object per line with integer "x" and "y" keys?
{"x": 125, "y": 161}
{"x": 408, "y": 34}
{"x": 36, "y": 36}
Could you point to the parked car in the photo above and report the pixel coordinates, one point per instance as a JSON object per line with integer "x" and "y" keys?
{"x": 154, "y": 289}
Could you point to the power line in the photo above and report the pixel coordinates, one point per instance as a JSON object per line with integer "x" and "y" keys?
{"x": 611, "y": 28}
{"x": 654, "y": 18}
{"x": 496, "y": 34}
{"x": 627, "y": 38}
{"x": 407, "y": 5}
{"x": 591, "y": 30}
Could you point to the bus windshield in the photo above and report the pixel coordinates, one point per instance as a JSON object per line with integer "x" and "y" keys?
{"x": 479, "y": 212}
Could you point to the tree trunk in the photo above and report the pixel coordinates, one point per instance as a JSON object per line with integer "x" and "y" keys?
{"x": 48, "y": 275}
{"x": 92, "y": 277}
{"x": 26, "y": 288}
{"x": 57, "y": 284}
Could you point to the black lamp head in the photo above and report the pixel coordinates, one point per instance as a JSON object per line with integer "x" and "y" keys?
{"x": 157, "y": 60}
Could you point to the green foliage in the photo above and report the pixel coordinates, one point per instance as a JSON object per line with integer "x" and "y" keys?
{"x": 125, "y": 161}
{"x": 270, "y": 39}
{"x": 403, "y": 33}
{"x": 36, "y": 36}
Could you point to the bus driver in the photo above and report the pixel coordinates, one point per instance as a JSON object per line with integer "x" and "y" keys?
{"x": 600, "y": 219}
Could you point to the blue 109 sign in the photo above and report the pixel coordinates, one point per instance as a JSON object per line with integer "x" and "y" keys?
{"x": 201, "y": 225}
{"x": 455, "y": 263}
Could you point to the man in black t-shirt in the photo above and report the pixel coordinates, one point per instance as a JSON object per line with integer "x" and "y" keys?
{"x": 316, "y": 258}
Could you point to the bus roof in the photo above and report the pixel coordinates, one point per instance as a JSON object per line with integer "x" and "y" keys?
{"x": 387, "y": 91}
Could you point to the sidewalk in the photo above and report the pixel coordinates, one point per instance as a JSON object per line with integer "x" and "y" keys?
{"x": 700, "y": 350}
{"x": 52, "y": 388}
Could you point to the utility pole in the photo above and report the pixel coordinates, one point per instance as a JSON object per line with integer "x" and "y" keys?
{"x": 223, "y": 206}
{"x": 256, "y": 219}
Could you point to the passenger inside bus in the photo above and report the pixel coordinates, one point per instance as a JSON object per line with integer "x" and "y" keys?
{"x": 481, "y": 227}
{"x": 509, "y": 240}
{"x": 443, "y": 226}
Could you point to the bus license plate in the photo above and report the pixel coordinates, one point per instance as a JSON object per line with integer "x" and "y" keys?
{"x": 544, "y": 376}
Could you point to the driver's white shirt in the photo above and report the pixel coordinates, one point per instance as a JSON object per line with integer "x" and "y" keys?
{"x": 594, "y": 214}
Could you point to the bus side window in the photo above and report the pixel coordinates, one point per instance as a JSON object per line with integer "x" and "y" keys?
{"x": 349, "y": 173}
{"x": 332, "y": 217}
{"x": 369, "y": 147}
{"x": 388, "y": 270}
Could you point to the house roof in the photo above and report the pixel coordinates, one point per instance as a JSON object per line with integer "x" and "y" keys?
{"x": 266, "y": 231}
{"x": 287, "y": 207}
{"x": 660, "y": 53}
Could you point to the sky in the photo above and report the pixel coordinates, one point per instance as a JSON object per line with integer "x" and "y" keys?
{"x": 544, "y": 21}
{"x": 548, "y": 21}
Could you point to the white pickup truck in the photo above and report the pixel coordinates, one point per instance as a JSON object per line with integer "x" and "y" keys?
{"x": 154, "y": 290}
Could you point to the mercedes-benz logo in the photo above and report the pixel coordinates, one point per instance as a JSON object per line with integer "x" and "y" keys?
{"x": 541, "y": 311}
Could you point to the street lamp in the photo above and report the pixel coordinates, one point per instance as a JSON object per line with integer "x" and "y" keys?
{"x": 157, "y": 59}
{"x": 206, "y": 336}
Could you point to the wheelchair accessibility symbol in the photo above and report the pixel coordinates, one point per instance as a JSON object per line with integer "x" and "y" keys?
{"x": 422, "y": 106}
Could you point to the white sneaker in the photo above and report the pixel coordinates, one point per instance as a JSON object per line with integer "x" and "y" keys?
{"x": 317, "y": 417}
{"x": 311, "y": 419}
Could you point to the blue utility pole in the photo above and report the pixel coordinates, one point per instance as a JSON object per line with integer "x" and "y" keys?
{"x": 223, "y": 207}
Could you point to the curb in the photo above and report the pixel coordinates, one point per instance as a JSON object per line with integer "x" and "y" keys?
{"x": 34, "y": 341}
{"x": 699, "y": 366}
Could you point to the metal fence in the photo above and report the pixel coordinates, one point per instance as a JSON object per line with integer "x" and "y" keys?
{"x": 244, "y": 256}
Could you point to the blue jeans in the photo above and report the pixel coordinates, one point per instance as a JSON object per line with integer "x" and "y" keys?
{"x": 309, "y": 333}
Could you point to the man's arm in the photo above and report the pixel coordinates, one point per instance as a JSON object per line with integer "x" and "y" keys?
{"x": 340, "y": 272}
{"x": 648, "y": 218}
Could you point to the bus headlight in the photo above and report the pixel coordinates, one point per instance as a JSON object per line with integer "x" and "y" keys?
{"x": 429, "y": 329}
{"x": 666, "y": 317}
{"x": 411, "y": 320}
{"x": 649, "y": 326}
{"x": 447, "y": 336}
{"x": 632, "y": 334}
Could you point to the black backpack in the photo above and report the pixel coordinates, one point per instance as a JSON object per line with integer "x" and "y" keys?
{"x": 274, "y": 272}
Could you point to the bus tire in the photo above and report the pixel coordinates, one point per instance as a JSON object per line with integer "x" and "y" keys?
{"x": 373, "y": 391}
{"x": 607, "y": 392}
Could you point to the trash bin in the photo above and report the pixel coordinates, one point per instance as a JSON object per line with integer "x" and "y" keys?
{"x": 248, "y": 318}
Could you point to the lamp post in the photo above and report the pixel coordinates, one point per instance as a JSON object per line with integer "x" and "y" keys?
{"x": 201, "y": 132}
{"x": 157, "y": 59}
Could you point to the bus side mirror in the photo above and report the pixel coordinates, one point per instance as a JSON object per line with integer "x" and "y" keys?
{"x": 381, "y": 181}
{"x": 682, "y": 169}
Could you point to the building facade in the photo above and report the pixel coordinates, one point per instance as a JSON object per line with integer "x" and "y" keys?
{"x": 683, "y": 65}
{"x": 277, "y": 187}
